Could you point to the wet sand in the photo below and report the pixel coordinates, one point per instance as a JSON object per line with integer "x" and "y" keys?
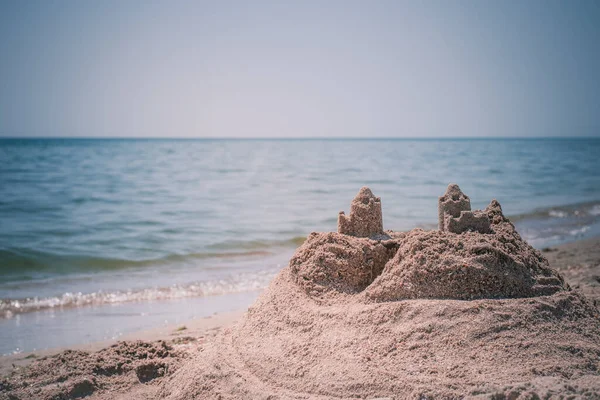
{"x": 192, "y": 331}
{"x": 579, "y": 264}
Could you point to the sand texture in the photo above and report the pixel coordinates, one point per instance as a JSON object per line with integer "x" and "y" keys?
{"x": 422, "y": 314}
{"x": 76, "y": 374}
{"x": 476, "y": 313}
{"x": 579, "y": 264}
{"x": 125, "y": 370}
{"x": 365, "y": 217}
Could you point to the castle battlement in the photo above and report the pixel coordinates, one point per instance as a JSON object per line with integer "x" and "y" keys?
{"x": 474, "y": 221}
{"x": 455, "y": 215}
{"x": 365, "y": 217}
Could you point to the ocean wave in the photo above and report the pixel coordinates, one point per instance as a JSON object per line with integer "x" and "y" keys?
{"x": 557, "y": 213}
{"x": 571, "y": 210}
{"x": 579, "y": 231}
{"x": 19, "y": 261}
{"x": 245, "y": 282}
{"x": 258, "y": 244}
{"x": 562, "y": 224}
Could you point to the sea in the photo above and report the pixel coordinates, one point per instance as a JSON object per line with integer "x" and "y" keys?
{"x": 104, "y": 237}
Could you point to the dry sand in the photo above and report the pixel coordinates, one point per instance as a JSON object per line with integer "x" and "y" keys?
{"x": 109, "y": 369}
{"x": 420, "y": 314}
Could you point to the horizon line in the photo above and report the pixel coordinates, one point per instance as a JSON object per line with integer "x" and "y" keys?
{"x": 292, "y": 138}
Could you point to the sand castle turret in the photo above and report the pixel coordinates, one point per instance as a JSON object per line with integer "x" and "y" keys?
{"x": 365, "y": 217}
{"x": 455, "y": 215}
{"x": 451, "y": 204}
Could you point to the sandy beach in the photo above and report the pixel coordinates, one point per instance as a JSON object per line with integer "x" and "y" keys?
{"x": 579, "y": 263}
{"x": 309, "y": 200}
{"x": 192, "y": 331}
{"x": 519, "y": 340}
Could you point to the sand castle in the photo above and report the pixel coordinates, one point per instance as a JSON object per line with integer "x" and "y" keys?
{"x": 451, "y": 204}
{"x": 468, "y": 310}
{"x": 473, "y": 254}
{"x": 455, "y": 215}
{"x": 365, "y": 219}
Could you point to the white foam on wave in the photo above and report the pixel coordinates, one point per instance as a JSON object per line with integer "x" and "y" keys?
{"x": 595, "y": 210}
{"x": 579, "y": 231}
{"x": 233, "y": 284}
{"x": 557, "y": 214}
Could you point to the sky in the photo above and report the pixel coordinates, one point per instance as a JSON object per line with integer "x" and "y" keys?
{"x": 244, "y": 69}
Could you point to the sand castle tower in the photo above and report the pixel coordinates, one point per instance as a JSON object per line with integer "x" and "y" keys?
{"x": 455, "y": 215}
{"x": 452, "y": 203}
{"x": 365, "y": 217}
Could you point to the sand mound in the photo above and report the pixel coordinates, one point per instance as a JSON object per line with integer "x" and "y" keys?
{"x": 381, "y": 315}
{"x": 345, "y": 264}
{"x": 427, "y": 264}
{"x": 470, "y": 265}
{"x": 76, "y": 374}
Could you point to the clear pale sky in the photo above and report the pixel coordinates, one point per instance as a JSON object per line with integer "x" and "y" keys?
{"x": 299, "y": 69}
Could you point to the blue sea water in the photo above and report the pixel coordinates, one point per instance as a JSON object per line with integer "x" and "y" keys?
{"x": 87, "y": 224}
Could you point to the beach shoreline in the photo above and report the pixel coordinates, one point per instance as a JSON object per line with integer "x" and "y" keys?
{"x": 578, "y": 262}
{"x": 197, "y": 328}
